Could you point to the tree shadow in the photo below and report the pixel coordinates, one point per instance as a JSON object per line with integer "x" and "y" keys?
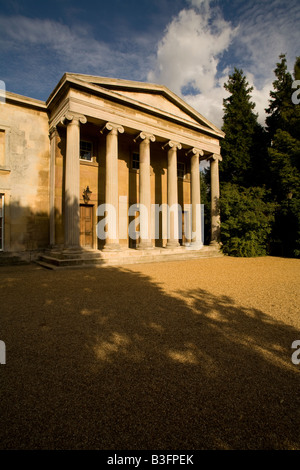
{"x": 106, "y": 359}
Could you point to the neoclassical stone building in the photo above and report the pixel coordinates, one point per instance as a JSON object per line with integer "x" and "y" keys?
{"x": 98, "y": 141}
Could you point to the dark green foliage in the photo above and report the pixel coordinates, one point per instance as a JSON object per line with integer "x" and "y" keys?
{"x": 297, "y": 69}
{"x": 284, "y": 160}
{"x": 205, "y": 199}
{"x": 255, "y": 159}
{"x": 247, "y": 216}
{"x": 284, "y": 165}
{"x": 244, "y": 148}
{"x": 281, "y": 107}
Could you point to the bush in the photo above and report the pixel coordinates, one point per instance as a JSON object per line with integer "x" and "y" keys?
{"x": 246, "y": 220}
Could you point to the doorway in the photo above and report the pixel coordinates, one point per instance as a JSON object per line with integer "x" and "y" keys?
{"x": 86, "y": 226}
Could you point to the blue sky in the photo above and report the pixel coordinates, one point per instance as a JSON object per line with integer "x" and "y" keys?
{"x": 188, "y": 45}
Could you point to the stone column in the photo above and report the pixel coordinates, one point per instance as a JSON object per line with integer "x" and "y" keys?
{"x": 172, "y": 193}
{"x": 52, "y": 136}
{"x": 215, "y": 196}
{"x": 72, "y": 180}
{"x": 196, "y": 197}
{"x": 111, "y": 131}
{"x": 145, "y": 190}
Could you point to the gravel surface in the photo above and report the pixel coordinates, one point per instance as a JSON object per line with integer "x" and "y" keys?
{"x": 177, "y": 355}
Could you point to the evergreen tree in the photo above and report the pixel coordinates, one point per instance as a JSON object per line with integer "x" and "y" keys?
{"x": 281, "y": 107}
{"x": 205, "y": 199}
{"x": 283, "y": 124}
{"x": 297, "y": 69}
{"x": 247, "y": 218}
{"x": 295, "y": 117}
{"x": 246, "y": 212}
{"x": 243, "y": 149}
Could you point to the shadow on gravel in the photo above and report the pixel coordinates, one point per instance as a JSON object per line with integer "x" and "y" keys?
{"x": 104, "y": 359}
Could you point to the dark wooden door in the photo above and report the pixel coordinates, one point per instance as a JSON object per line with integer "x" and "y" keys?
{"x": 86, "y": 226}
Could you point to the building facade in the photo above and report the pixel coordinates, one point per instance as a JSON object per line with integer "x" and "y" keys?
{"x": 104, "y": 156}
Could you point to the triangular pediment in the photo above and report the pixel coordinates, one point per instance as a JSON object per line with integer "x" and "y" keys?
{"x": 153, "y": 98}
{"x": 160, "y": 102}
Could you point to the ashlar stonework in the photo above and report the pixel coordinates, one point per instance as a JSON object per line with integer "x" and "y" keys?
{"x": 99, "y": 141}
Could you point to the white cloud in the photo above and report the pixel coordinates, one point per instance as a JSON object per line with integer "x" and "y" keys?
{"x": 188, "y": 57}
{"x": 264, "y": 33}
{"x": 34, "y": 46}
{"x": 71, "y": 44}
{"x": 189, "y": 54}
{"x": 267, "y": 30}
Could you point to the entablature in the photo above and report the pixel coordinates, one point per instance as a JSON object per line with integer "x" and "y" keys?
{"x": 134, "y": 123}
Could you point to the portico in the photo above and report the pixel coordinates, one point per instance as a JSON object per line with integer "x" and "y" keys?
{"x": 144, "y": 146}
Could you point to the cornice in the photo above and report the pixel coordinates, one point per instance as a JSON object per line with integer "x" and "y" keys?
{"x": 147, "y": 109}
{"x": 69, "y": 80}
{"x": 102, "y": 113}
{"x": 25, "y": 101}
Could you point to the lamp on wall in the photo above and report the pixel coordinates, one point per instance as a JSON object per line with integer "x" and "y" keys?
{"x": 86, "y": 194}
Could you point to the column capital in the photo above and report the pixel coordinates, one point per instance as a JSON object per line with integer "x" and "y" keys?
{"x": 172, "y": 145}
{"x": 112, "y": 127}
{"x": 215, "y": 157}
{"x": 73, "y": 118}
{"x": 52, "y": 132}
{"x": 194, "y": 151}
{"x": 144, "y": 136}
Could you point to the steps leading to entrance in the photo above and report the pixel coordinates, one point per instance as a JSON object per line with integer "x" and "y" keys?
{"x": 88, "y": 258}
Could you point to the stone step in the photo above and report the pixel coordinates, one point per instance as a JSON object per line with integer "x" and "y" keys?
{"x": 58, "y": 260}
{"x": 158, "y": 259}
{"x": 82, "y": 254}
{"x": 54, "y": 267}
{"x": 46, "y": 265}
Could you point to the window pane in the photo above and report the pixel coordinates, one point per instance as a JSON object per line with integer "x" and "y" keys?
{"x": 2, "y": 148}
{"x": 86, "y": 149}
{"x": 180, "y": 170}
{"x": 135, "y": 161}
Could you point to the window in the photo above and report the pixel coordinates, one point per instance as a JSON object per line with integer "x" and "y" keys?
{"x": 136, "y": 161}
{"x": 180, "y": 170}
{"x": 86, "y": 150}
{"x": 1, "y": 222}
{"x": 2, "y": 147}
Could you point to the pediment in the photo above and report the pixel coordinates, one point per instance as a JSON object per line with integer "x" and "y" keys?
{"x": 161, "y": 103}
{"x": 155, "y": 99}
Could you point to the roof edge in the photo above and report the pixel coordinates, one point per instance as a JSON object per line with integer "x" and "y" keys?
{"x": 107, "y": 82}
{"x": 109, "y": 85}
{"x": 25, "y": 100}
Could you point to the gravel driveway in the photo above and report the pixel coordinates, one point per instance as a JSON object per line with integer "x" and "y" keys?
{"x": 176, "y": 355}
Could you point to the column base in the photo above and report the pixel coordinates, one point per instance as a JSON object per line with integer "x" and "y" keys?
{"x": 172, "y": 244}
{"x": 53, "y": 246}
{"x": 214, "y": 243}
{"x": 196, "y": 245}
{"x": 145, "y": 245}
{"x": 73, "y": 249}
{"x": 112, "y": 247}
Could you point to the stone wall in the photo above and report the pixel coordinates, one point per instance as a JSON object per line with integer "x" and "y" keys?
{"x": 24, "y": 174}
